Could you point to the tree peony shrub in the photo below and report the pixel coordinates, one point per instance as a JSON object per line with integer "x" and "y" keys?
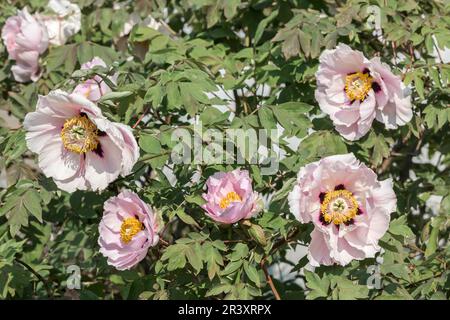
{"x": 224, "y": 150}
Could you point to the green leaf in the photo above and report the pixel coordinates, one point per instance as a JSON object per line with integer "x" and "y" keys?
{"x": 115, "y": 95}
{"x": 230, "y": 8}
{"x": 232, "y": 267}
{"x": 62, "y": 56}
{"x": 291, "y": 44}
{"x": 305, "y": 42}
{"x": 380, "y": 148}
{"x": 419, "y": 85}
{"x": 316, "y": 42}
{"x": 291, "y": 115}
{"x": 348, "y": 290}
{"x": 150, "y": 144}
{"x": 221, "y": 288}
{"x": 397, "y": 269}
{"x": 399, "y": 227}
{"x": 212, "y": 115}
{"x": 433, "y": 239}
{"x": 240, "y": 251}
{"x": 319, "y": 286}
{"x": 197, "y": 199}
{"x": 32, "y": 202}
{"x": 154, "y": 95}
{"x": 176, "y": 254}
{"x": 285, "y": 189}
{"x": 18, "y": 218}
{"x": 176, "y": 262}
{"x": 320, "y": 144}
{"x": 189, "y": 102}
{"x": 252, "y": 273}
{"x": 266, "y": 118}
{"x": 186, "y": 218}
{"x": 263, "y": 25}
{"x": 195, "y": 90}
{"x": 193, "y": 255}
{"x": 293, "y": 107}
{"x": 213, "y": 259}
{"x": 212, "y": 14}
{"x": 173, "y": 95}
{"x": 143, "y": 33}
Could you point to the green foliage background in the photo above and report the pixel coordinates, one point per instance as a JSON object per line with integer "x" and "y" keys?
{"x": 277, "y": 43}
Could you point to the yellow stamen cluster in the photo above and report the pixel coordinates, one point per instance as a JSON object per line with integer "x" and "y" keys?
{"x": 79, "y": 134}
{"x": 230, "y": 197}
{"x": 358, "y": 85}
{"x": 339, "y": 206}
{"x": 129, "y": 228}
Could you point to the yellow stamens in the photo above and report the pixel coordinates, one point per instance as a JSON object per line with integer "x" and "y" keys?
{"x": 358, "y": 85}
{"x": 130, "y": 227}
{"x": 230, "y": 197}
{"x": 79, "y": 134}
{"x": 339, "y": 206}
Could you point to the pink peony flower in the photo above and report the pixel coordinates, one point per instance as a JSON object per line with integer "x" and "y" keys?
{"x": 354, "y": 91}
{"x": 94, "y": 88}
{"x": 230, "y": 197}
{"x": 78, "y": 147}
{"x": 63, "y": 23}
{"x": 348, "y": 206}
{"x": 127, "y": 230}
{"x": 25, "y": 39}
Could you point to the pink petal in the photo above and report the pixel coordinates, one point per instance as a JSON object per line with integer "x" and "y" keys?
{"x": 56, "y": 162}
{"x": 318, "y": 251}
{"x": 104, "y": 165}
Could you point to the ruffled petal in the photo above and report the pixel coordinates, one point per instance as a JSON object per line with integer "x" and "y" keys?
{"x": 104, "y": 164}
{"x": 56, "y": 162}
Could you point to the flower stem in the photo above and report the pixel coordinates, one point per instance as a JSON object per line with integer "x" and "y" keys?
{"x": 40, "y": 278}
{"x": 269, "y": 280}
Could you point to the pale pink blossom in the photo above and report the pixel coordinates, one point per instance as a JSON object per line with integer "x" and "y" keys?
{"x": 230, "y": 197}
{"x": 63, "y": 23}
{"x": 354, "y": 91}
{"x": 25, "y": 39}
{"x": 77, "y": 146}
{"x": 94, "y": 88}
{"x": 127, "y": 230}
{"x": 349, "y": 207}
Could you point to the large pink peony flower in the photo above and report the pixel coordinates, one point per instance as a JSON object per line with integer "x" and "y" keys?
{"x": 127, "y": 230}
{"x": 94, "y": 88}
{"x": 25, "y": 39}
{"x": 354, "y": 91}
{"x": 230, "y": 197}
{"x": 349, "y": 207}
{"x": 78, "y": 147}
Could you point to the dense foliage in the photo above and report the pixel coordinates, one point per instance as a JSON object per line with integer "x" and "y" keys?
{"x": 258, "y": 59}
